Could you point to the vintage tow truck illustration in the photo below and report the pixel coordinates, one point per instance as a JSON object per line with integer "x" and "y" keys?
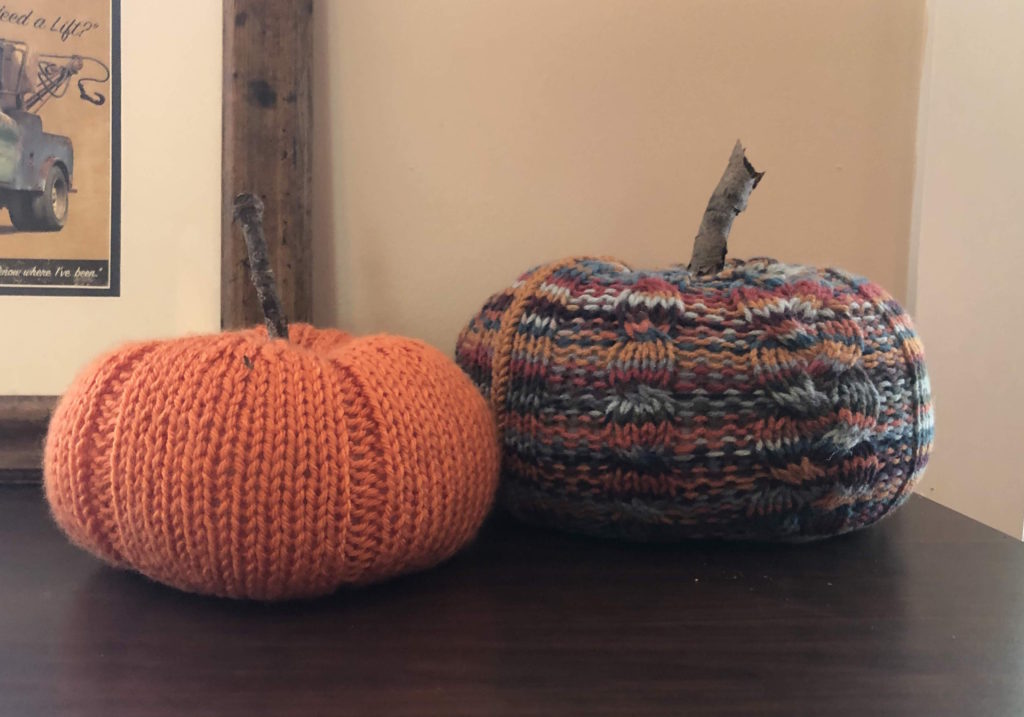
{"x": 37, "y": 167}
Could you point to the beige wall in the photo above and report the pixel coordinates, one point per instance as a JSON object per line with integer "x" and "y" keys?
{"x": 970, "y": 250}
{"x": 458, "y": 142}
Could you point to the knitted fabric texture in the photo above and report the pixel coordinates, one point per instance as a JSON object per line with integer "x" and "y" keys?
{"x": 240, "y": 466}
{"x": 768, "y": 401}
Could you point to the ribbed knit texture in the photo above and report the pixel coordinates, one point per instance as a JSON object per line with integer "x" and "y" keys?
{"x": 240, "y": 466}
{"x": 769, "y": 401}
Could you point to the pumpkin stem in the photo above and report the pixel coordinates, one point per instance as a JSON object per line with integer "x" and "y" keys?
{"x": 728, "y": 200}
{"x": 249, "y": 213}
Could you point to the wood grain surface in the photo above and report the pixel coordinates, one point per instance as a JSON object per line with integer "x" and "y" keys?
{"x": 23, "y": 422}
{"x": 922, "y": 614}
{"x": 268, "y": 116}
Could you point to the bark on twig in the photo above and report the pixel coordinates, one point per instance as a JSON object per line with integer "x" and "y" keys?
{"x": 249, "y": 213}
{"x": 728, "y": 200}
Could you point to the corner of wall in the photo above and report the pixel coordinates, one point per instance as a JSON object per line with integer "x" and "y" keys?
{"x": 920, "y": 144}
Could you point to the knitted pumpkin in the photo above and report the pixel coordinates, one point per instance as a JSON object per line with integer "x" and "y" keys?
{"x": 739, "y": 400}
{"x": 245, "y": 465}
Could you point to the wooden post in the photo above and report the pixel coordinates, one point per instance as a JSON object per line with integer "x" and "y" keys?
{"x": 23, "y": 421}
{"x": 268, "y": 127}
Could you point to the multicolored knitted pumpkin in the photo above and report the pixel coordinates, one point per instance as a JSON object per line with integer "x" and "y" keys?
{"x": 249, "y": 466}
{"x": 748, "y": 400}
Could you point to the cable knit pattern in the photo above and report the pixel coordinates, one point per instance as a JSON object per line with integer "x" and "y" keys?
{"x": 244, "y": 467}
{"x": 768, "y": 401}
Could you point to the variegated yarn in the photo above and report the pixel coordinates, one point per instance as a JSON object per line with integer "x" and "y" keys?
{"x": 767, "y": 401}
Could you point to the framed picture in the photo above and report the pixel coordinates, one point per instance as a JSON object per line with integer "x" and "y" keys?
{"x": 128, "y": 234}
{"x": 60, "y": 154}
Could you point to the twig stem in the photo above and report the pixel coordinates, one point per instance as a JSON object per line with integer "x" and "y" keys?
{"x": 249, "y": 213}
{"x": 728, "y": 200}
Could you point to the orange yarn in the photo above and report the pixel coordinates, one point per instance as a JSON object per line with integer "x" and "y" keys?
{"x": 246, "y": 467}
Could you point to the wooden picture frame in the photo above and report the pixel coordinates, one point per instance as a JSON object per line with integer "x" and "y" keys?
{"x": 267, "y": 149}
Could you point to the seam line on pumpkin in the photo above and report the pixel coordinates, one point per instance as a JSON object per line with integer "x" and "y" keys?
{"x": 218, "y": 472}
{"x": 335, "y": 393}
{"x": 121, "y": 374}
{"x": 331, "y": 483}
{"x": 396, "y": 472}
{"x": 229, "y": 463}
{"x": 74, "y": 495}
{"x": 912, "y": 369}
{"x": 115, "y": 449}
{"x": 504, "y": 345}
{"x": 378, "y": 422}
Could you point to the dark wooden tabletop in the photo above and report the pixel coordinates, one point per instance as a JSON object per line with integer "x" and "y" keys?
{"x": 920, "y": 615}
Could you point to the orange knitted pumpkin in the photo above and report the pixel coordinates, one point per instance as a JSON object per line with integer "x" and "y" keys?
{"x": 246, "y": 466}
